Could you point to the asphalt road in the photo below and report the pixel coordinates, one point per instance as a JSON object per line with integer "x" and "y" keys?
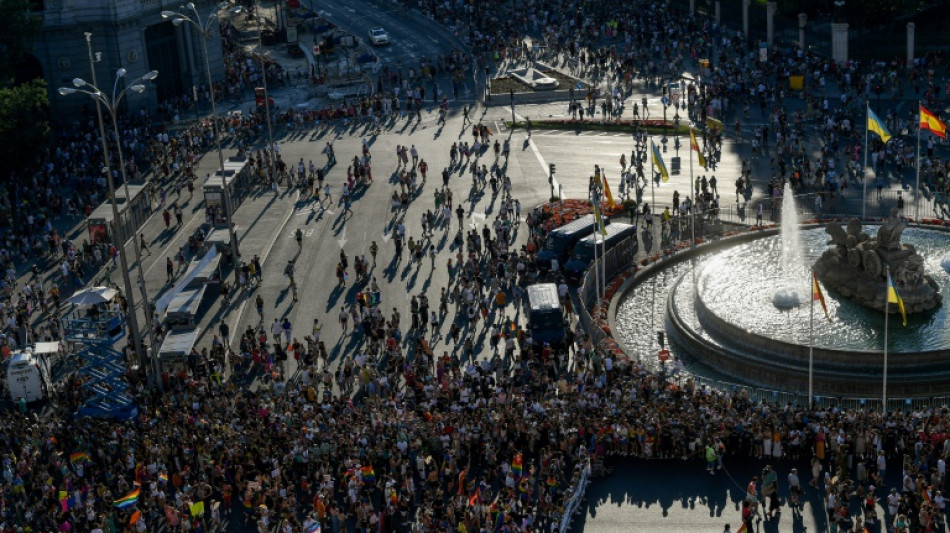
{"x": 411, "y": 37}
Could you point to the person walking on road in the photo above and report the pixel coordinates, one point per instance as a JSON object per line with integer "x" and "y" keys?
{"x": 142, "y": 245}
{"x": 259, "y": 303}
{"x": 169, "y": 270}
{"x": 373, "y": 250}
{"x": 344, "y": 319}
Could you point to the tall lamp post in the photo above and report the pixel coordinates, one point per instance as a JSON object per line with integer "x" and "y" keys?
{"x": 203, "y": 25}
{"x": 111, "y": 105}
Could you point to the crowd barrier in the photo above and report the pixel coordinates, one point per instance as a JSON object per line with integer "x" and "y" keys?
{"x": 573, "y": 505}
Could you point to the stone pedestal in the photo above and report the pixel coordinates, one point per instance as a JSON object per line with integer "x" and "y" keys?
{"x": 839, "y": 42}
{"x": 718, "y": 13}
{"x": 745, "y": 18}
{"x": 770, "y": 9}
{"x": 802, "y": 21}
{"x": 910, "y": 44}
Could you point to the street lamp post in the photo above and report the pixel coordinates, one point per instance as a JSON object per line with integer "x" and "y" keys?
{"x": 90, "y": 89}
{"x": 146, "y": 305}
{"x": 204, "y": 26}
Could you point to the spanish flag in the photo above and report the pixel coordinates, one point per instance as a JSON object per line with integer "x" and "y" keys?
{"x": 128, "y": 500}
{"x": 660, "y": 165}
{"x": 817, "y": 295}
{"x": 930, "y": 122}
{"x": 877, "y": 126}
{"x": 894, "y": 298}
{"x": 693, "y": 145}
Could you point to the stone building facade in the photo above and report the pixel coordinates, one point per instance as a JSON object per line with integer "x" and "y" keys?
{"x": 128, "y": 34}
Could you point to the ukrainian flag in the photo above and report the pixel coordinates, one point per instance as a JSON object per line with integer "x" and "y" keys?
{"x": 877, "y": 126}
{"x": 894, "y": 298}
{"x": 660, "y": 165}
{"x": 598, "y": 219}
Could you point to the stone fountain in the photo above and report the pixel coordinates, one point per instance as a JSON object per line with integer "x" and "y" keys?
{"x": 855, "y": 267}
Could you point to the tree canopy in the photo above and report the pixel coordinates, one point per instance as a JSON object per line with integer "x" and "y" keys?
{"x": 24, "y": 105}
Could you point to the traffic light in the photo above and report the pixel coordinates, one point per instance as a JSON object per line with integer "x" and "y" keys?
{"x": 551, "y": 168}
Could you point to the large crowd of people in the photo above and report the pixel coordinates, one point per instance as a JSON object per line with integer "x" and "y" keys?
{"x": 398, "y": 437}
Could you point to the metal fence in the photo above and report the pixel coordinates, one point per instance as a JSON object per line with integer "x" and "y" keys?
{"x": 762, "y": 395}
{"x": 573, "y": 505}
{"x": 615, "y": 261}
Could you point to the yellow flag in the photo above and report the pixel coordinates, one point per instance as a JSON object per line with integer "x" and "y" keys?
{"x": 660, "y": 165}
{"x": 894, "y": 298}
{"x": 610, "y": 197}
{"x": 695, "y": 146}
{"x": 600, "y": 221}
{"x": 197, "y": 508}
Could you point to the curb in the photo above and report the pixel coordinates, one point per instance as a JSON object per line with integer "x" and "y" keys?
{"x": 264, "y": 254}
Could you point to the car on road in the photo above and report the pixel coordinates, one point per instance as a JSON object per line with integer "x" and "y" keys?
{"x": 378, "y": 37}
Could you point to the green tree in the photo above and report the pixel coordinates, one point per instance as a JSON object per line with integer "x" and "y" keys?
{"x": 24, "y": 105}
{"x": 24, "y": 128}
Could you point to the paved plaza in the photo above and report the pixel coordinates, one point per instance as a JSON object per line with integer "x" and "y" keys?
{"x": 445, "y": 412}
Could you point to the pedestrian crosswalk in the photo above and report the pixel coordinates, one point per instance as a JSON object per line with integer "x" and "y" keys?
{"x": 576, "y": 154}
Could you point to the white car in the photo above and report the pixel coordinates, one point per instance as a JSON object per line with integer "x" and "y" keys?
{"x": 378, "y": 36}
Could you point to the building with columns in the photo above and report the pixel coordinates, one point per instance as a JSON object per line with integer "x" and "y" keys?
{"x": 128, "y": 34}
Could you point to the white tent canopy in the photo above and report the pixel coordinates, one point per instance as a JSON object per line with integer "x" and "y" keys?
{"x": 93, "y": 296}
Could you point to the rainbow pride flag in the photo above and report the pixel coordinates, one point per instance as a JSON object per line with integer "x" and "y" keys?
{"x": 516, "y": 465}
{"x": 128, "y": 500}
{"x": 162, "y": 477}
{"x": 369, "y": 475}
{"x": 80, "y": 457}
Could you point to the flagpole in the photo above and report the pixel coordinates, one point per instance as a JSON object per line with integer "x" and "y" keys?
{"x": 692, "y": 216}
{"x": 887, "y": 308}
{"x": 597, "y": 234}
{"x": 864, "y": 169}
{"x": 811, "y": 343}
{"x": 917, "y": 185}
{"x": 603, "y": 265}
{"x": 653, "y": 192}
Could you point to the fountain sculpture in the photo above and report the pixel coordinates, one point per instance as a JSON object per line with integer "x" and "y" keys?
{"x": 855, "y": 267}
{"x": 793, "y": 263}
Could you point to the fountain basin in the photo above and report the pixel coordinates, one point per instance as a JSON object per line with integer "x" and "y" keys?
{"x": 725, "y": 326}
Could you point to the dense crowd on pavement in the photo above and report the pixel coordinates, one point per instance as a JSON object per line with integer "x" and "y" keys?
{"x": 396, "y": 436}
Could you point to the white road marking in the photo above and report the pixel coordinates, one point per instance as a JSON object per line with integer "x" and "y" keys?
{"x": 544, "y": 166}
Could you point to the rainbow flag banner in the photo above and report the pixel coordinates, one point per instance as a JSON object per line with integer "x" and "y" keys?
{"x": 369, "y": 475}
{"x": 516, "y": 465}
{"x": 128, "y": 500}
{"x": 313, "y": 528}
{"x": 80, "y": 457}
{"x": 162, "y": 477}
